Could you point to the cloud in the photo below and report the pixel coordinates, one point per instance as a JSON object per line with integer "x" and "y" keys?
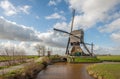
{"x": 111, "y": 27}
{"x": 106, "y": 50}
{"x": 25, "y": 9}
{"x": 51, "y": 38}
{"x": 90, "y": 12}
{"x": 37, "y": 17}
{"x": 55, "y": 16}
{"x": 62, "y": 26}
{"x": 115, "y": 37}
{"x": 12, "y": 31}
{"x": 9, "y": 9}
{"x": 27, "y": 48}
{"x": 19, "y": 48}
{"x": 54, "y": 2}
{"x": 62, "y": 12}
{"x": 51, "y": 3}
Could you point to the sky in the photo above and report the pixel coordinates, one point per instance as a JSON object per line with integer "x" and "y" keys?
{"x": 25, "y": 23}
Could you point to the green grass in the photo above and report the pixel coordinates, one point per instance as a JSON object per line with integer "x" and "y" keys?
{"x": 6, "y": 58}
{"x": 2, "y": 67}
{"x": 106, "y": 71}
{"x": 13, "y": 73}
{"x": 27, "y": 72}
{"x": 85, "y": 60}
{"x": 54, "y": 57}
{"x": 109, "y": 58}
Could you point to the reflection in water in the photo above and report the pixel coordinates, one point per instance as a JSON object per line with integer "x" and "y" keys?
{"x": 64, "y": 71}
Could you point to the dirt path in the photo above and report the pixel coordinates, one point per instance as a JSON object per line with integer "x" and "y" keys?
{"x": 13, "y": 62}
{"x": 64, "y": 71}
{"x": 12, "y": 68}
{"x": 6, "y": 70}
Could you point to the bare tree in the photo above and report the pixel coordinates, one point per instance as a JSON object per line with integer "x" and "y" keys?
{"x": 40, "y": 49}
{"x": 13, "y": 55}
{"x": 6, "y": 51}
{"x": 43, "y": 50}
{"x": 12, "y": 51}
{"x": 22, "y": 55}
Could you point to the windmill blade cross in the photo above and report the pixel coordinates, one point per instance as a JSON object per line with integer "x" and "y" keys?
{"x": 61, "y": 31}
{"x": 70, "y": 34}
{"x": 89, "y": 44}
{"x": 66, "y": 33}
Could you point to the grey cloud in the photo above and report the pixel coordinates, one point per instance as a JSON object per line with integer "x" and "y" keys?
{"x": 12, "y": 31}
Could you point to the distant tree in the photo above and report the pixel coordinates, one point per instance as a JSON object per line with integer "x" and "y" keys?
{"x": 21, "y": 53}
{"x": 43, "y": 50}
{"x": 13, "y": 55}
{"x": 6, "y": 52}
{"x": 12, "y": 49}
{"x": 40, "y": 49}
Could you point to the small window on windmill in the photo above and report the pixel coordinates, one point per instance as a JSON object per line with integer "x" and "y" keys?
{"x": 75, "y": 40}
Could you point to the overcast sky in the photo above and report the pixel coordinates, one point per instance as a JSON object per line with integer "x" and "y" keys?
{"x": 29, "y": 21}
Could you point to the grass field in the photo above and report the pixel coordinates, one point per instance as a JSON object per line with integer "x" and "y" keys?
{"x": 29, "y": 71}
{"x": 78, "y": 59}
{"x": 109, "y": 58}
{"x": 83, "y": 60}
{"x": 6, "y": 58}
{"x": 105, "y": 71}
{"x": 112, "y": 58}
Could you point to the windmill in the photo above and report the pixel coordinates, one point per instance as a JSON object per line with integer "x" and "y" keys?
{"x": 76, "y": 39}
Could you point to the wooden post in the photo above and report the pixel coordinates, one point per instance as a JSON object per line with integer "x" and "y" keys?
{"x": 92, "y": 48}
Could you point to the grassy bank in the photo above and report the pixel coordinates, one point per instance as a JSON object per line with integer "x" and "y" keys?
{"x": 83, "y": 59}
{"x": 114, "y": 58}
{"x": 9, "y": 61}
{"x": 28, "y": 71}
{"x": 105, "y": 71}
{"x": 9, "y": 58}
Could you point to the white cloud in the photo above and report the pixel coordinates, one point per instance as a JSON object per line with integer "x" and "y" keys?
{"x": 92, "y": 11}
{"x": 19, "y": 48}
{"x": 54, "y": 2}
{"x": 55, "y": 16}
{"x": 52, "y": 39}
{"x": 25, "y": 9}
{"x": 62, "y": 12}
{"x": 51, "y": 3}
{"x": 10, "y": 9}
{"x": 62, "y": 26}
{"x": 116, "y": 37}
{"x": 12, "y": 31}
{"x": 111, "y": 27}
{"x": 107, "y": 50}
{"x": 37, "y": 17}
{"x": 27, "y": 48}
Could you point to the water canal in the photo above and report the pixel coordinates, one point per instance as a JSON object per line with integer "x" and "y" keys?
{"x": 64, "y": 71}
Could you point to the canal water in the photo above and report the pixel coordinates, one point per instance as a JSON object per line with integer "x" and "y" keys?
{"x": 64, "y": 71}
